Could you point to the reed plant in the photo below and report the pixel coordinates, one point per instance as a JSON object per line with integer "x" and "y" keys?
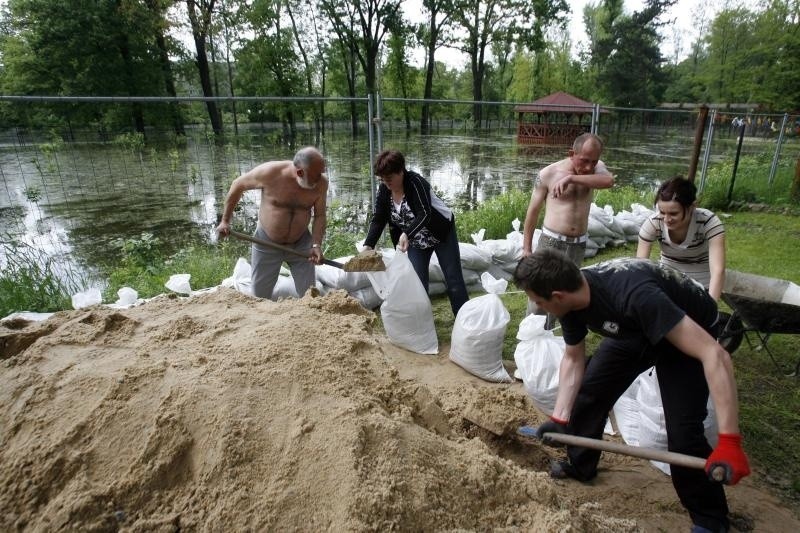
{"x": 31, "y": 280}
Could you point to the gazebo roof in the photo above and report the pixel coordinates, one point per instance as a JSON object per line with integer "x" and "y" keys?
{"x": 558, "y": 102}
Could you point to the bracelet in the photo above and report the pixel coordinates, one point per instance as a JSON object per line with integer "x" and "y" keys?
{"x": 315, "y": 245}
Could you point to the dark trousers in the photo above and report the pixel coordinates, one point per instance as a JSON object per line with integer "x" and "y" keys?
{"x": 684, "y": 394}
{"x": 449, "y": 256}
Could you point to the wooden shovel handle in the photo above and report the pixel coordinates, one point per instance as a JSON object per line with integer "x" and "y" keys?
{"x": 286, "y": 249}
{"x": 718, "y": 473}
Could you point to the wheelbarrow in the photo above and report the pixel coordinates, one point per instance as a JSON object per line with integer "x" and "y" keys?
{"x": 762, "y": 306}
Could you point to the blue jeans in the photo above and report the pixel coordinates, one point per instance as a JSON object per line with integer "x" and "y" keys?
{"x": 450, "y": 260}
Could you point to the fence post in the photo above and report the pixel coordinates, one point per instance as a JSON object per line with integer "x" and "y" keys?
{"x": 736, "y": 160}
{"x": 698, "y": 140}
{"x": 707, "y": 154}
{"x": 774, "y": 168}
{"x": 379, "y": 121}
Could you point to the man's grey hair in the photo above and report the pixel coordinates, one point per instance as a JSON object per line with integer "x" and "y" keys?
{"x": 584, "y": 138}
{"x": 305, "y": 156}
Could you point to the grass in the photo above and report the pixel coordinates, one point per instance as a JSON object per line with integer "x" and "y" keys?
{"x": 30, "y": 280}
{"x": 769, "y": 401}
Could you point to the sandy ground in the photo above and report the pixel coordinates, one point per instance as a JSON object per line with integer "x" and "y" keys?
{"x": 223, "y": 412}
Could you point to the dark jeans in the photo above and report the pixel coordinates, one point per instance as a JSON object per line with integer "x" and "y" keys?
{"x": 450, "y": 260}
{"x": 684, "y": 394}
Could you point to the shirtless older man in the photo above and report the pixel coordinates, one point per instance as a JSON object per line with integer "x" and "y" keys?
{"x": 565, "y": 188}
{"x": 292, "y": 192}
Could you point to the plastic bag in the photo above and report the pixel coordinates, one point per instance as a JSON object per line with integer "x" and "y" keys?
{"x": 477, "y": 339}
{"x": 538, "y": 356}
{"x": 406, "y": 311}
{"x": 179, "y": 283}
{"x": 86, "y": 298}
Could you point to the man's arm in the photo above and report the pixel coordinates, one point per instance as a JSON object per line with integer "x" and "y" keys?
{"x": 570, "y": 376}
{"x": 694, "y": 341}
{"x": 245, "y": 182}
{"x": 320, "y": 222}
{"x": 716, "y": 265}
{"x": 601, "y": 179}
{"x": 538, "y": 197}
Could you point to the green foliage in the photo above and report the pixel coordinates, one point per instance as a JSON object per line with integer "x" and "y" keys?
{"x": 494, "y": 215}
{"x": 31, "y": 281}
{"x": 132, "y": 141}
{"x": 620, "y": 197}
{"x": 142, "y": 253}
{"x": 344, "y": 228}
{"x": 33, "y": 193}
{"x": 751, "y": 184}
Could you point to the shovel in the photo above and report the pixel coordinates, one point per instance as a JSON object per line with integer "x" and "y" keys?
{"x": 719, "y": 473}
{"x": 286, "y": 249}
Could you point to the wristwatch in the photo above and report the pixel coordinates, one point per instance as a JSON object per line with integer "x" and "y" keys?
{"x": 315, "y": 246}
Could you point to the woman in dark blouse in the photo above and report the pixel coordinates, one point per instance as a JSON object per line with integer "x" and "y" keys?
{"x": 419, "y": 223}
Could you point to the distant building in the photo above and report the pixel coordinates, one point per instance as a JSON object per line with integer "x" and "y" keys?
{"x": 555, "y": 119}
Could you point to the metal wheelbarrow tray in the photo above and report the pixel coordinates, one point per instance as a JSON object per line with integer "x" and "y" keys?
{"x": 757, "y": 301}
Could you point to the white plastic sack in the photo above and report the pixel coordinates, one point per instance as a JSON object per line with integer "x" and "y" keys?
{"x": 538, "y": 356}
{"x": 473, "y": 258}
{"x": 179, "y": 283}
{"x": 477, "y": 339}
{"x": 126, "y": 298}
{"x": 86, "y": 298}
{"x": 406, "y": 311}
{"x": 367, "y": 297}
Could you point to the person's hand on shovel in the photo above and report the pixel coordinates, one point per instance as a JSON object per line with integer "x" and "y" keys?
{"x": 554, "y": 425}
{"x": 223, "y": 228}
{"x": 729, "y": 456}
{"x": 315, "y": 256}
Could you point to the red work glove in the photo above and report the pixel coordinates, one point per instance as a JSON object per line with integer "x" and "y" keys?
{"x": 729, "y": 455}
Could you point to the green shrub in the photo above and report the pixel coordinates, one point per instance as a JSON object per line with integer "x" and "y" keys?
{"x": 31, "y": 281}
{"x": 495, "y": 216}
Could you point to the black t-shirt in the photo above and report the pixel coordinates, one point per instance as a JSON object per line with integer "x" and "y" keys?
{"x": 638, "y": 298}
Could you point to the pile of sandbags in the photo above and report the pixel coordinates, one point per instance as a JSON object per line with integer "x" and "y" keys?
{"x": 609, "y": 229}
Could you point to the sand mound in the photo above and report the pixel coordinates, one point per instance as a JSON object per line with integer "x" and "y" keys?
{"x": 225, "y": 412}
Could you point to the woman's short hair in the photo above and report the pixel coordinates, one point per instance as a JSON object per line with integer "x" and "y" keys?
{"x": 389, "y": 162}
{"x": 677, "y": 189}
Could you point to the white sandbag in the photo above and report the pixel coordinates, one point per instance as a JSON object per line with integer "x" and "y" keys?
{"x": 477, "y": 237}
{"x": 90, "y": 297}
{"x": 473, "y": 258}
{"x": 179, "y": 283}
{"x": 477, "y": 340}
{"x": 284, "y": 288}
{"x": 652, "y": 425}
{"x": 241, "y": 280}
{"x": 367, "y": 297}
{"x": 502, "y": 250}
{"x": 516, "y": 235}
{"x": 472, "y": 277}
{"x": 406, "y": 311}
{"x": 436, "y": 287}
{"x": 538, "y": 356}
{"x": 435, "y": 270}
{"x": 497, "y": 271}
{"x": 626, "y": 414}
{"x": 126, "y": 297}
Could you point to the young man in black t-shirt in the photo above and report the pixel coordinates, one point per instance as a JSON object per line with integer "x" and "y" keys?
{"x": 651, "y": 316}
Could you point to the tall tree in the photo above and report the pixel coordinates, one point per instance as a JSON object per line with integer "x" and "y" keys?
{"x": 629, "y": 57}
{"x": 487, "y": 21}
{"x": 158, "y": 17}
{"x": 68, "y": 48}
{"x": 433, "y": 34}
{"x": 200, "y": 16}
{"x": 363, "y": 24}
{"x": 399, "y": 74}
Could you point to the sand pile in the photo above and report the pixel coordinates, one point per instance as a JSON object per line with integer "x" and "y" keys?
{"x": 225, "y": 412}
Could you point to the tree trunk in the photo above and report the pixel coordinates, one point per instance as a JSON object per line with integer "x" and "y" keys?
{"x": 796, "y": 182}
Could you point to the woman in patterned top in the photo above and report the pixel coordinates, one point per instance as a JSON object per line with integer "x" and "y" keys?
{"x": 419, "y": 223}
{"x": 692, "y": 239}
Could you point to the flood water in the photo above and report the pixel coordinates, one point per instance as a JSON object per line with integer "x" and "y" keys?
{"x": 73, "y": 200}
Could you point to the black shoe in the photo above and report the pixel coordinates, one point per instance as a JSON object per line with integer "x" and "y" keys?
{"x": 562, "y": 470}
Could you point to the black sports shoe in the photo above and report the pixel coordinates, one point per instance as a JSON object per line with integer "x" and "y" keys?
{"x": 562, "y": 470}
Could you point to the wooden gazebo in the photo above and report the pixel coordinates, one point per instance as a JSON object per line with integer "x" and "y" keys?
{"x": 554, "y": 119}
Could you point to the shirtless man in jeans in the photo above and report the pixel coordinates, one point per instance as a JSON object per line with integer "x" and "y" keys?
{"x": 566, "y": 188}
{"x": 292, "y": 193}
